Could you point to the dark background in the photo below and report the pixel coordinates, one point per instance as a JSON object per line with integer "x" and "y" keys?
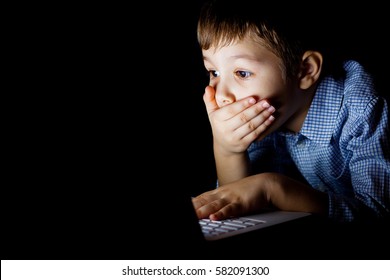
{"x": 106, "y": 122}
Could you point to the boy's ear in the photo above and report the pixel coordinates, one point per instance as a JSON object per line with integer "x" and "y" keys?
{"x": 310, "y": 69}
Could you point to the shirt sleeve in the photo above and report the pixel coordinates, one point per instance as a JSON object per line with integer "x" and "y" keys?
{"x": 367, "y": 142}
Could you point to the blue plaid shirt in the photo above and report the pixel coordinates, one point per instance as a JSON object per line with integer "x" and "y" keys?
{"x": 342, "y": 148}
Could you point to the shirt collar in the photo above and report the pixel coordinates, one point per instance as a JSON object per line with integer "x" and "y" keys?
{"x": 321, "y": 118}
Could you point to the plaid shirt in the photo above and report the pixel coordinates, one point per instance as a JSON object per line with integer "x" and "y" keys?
{"x": 342, "y": 148}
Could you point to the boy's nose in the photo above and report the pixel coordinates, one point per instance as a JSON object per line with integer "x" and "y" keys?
{"x": 224, "y": 96}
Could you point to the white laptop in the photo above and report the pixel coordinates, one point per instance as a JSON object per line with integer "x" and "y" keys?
{"x": 214, "y": 230}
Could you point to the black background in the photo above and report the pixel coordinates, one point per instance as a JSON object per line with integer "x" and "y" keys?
{"x": 107, "y": 123}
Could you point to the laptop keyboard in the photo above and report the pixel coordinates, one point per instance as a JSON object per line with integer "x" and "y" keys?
{"x": 213, "y": 230}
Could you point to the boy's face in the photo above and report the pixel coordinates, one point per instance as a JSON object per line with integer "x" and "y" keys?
{"x": 248, "y": 69}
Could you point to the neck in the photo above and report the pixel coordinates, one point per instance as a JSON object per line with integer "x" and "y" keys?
{"x": 296, "y": 121}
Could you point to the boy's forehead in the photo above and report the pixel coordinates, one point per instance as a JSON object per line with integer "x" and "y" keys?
{"x": 244, "y": 48}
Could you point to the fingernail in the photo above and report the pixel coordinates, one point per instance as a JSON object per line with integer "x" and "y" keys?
{"x": 271, "y": 109}
{"x": 252, "y": 101}
{"x": 265, "y": 104}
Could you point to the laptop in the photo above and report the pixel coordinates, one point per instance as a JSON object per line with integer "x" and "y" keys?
{"x": 270, "y": 234}
{"x": 215, "y": 230}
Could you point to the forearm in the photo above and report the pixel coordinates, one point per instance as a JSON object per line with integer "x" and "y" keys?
{"x": 290, "y": 195}
{"x": 231, "y": 167}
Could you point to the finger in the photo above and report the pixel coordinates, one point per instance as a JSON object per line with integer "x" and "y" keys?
{"x": 261, "y": 131}
{"x": 256, "y": 121}
{"x": 204, "y": 198}
{"x": 246, "y": 110}
{"x": 209, "y": 100}
{"x": 199, "y": 201}
{"x": 226, "y": 212}
{"x": 211, "y": 208}
{"x": 229, "y": 111}
{"x": 249, "y": 124}
{"x": 255, "y": 115}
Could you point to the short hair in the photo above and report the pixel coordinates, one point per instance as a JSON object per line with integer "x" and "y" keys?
{"x": 277, "y": 26}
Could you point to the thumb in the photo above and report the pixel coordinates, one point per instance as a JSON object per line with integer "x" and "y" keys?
{"x": 209, "y": 100}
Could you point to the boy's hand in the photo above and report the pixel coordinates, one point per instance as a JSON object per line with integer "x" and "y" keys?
{"x": 234, "y": 199}
{"x": 257, "y": 192}
{"x": 237, "y": 125}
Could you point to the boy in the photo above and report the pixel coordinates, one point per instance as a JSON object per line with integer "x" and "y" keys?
{"x": 290, "y": 129}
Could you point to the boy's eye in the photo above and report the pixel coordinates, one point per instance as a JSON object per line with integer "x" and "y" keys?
{"x": 214, "y": 73}
{"x": 243, "y": 74}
